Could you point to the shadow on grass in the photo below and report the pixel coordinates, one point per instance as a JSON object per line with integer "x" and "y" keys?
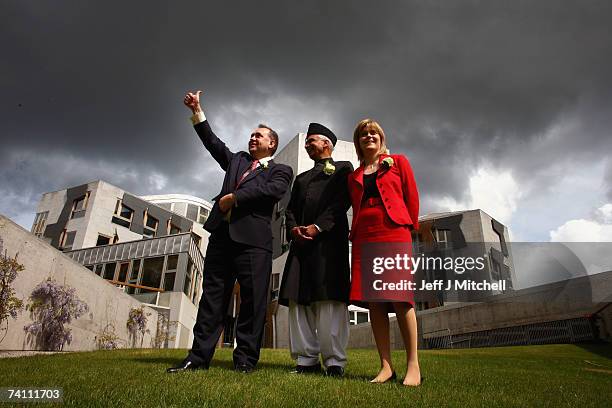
{"x": 601, "y": 348}
{"x": 229, "y": 365}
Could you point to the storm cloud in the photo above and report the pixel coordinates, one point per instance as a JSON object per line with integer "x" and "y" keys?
{"x": 519, "y": 88}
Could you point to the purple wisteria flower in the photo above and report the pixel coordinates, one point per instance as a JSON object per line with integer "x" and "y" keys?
{"x": 10, "y": 305}
{"x": 52, "y": 306}
{"x": 137, "y": 323}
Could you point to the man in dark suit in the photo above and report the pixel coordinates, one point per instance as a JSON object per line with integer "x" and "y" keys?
{"x": 240, "y": 244}
{"x": 316, "y": 279}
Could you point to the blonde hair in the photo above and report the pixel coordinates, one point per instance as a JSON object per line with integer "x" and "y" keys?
{"x": 366, "y": 125}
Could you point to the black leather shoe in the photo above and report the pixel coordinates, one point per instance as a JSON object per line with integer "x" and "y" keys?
{"x": 186, "y": 365}
{"x": 244, "y": 368}
{"x": 335, "y": 371}
{"x": 303, "y": 369}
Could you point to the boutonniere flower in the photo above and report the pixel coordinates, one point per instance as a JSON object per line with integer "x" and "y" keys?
{"x": 388, "y": 162}
{"x": 263, "y": 165}
{"x": 329, "y": 168}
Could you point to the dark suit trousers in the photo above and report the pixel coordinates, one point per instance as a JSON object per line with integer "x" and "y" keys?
{"x": 227, "y": 261}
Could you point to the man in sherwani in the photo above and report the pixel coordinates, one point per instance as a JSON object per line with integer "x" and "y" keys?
{"x": 316, "y": 278}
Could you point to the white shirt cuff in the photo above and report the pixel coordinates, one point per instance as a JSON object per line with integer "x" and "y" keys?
{"x": 317, "y": 227}
{"x": 198, "y": 118}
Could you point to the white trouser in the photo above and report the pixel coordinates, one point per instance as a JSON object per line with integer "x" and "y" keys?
{"x": 322, "y": 327}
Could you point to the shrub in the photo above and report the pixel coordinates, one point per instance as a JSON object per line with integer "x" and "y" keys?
{"x": 52, "y": 306}
{"x": 10, "y": 305}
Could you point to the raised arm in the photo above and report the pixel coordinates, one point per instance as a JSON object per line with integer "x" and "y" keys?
{"x": 213, "y": 144}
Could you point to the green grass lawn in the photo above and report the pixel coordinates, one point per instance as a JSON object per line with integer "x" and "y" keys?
{"x": 551, "y": 375}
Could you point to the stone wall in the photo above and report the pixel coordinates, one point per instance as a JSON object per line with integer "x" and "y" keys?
{"x": 108, "y": 305}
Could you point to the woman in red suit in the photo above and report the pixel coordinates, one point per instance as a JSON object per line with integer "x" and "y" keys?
{"x": 385, "y": 209}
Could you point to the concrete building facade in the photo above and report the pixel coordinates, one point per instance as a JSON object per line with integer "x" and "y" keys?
{"x": 149, "y": 252}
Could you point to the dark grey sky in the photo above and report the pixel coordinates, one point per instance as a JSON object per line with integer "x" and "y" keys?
{"x": 499, "y": 105}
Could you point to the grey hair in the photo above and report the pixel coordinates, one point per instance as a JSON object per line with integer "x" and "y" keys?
{"x": 328, "y": 140}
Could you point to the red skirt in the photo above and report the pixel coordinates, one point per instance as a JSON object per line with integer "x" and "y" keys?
{"x": 374, "y": 225}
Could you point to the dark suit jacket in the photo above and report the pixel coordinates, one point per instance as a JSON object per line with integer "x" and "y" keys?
{"x": 256, "y": 196}
{"x": 398, "y": 191}
{"x": 318, "y": 270}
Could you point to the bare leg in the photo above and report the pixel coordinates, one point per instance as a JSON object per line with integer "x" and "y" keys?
{"x": 380, "y": 327}
{"x": 406, "y": 318}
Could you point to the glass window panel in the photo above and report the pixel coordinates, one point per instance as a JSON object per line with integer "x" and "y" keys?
{"x": 180, "y": 208}
{"x": 121, "y": 222}
{"x": 135, "y": 269}
{"x": 188, "y": 278}
{"x": 102, "y": 240}
{"x": 152, "y": 222}
{"x": 362, "y": 317}
{"x": 109, "y": 271}
{"x": 169, "y": 281}
{"x": 79, "y": 203}
{"x": 152, "y": 269}
{"x": 69, "y": 239}
{"x": 123, "y": 270}
{"x": 165, "y": 206}
{"x": 126, "y": 212}
{"x": 192, "y": 212}
{"x": 172, "y": 262}
{"x": 98, "y": 269}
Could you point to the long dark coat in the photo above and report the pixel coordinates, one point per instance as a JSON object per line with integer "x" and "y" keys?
{"x": 318, "y": 270}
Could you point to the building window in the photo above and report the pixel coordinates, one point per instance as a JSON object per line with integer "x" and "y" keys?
{"x": 98, "y": 269}
{"x": 443, "y": 238}
{"x": 79, "y": 206}
{"x": 39, "y": 223}
{"x": 204, "y": 213}
{"x": 123, "y": 214}
{"x": 67, "y": 240}
{"x": 357, "y": 317}
{"x": 152, "y": 270}
{"x": 170, "y": 274}
{"x": 150, "y": 225}
{"x": 192, "y": 212}
{"x": 123, "y": 271}
{"x": 180, "y": 208}
{"x": 109, "y": 271}
{"x": 165, "y": 206}
{"x": 134, "y": 272}
{"x": 195, "y": 293}
{"x": 418, "y": 246}
{"x": 103, "y": 240}
{"x": 188, "y": 279}
{"x": 173, "y": 229}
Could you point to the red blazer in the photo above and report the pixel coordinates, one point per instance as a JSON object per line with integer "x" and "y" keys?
{"x": 398, "y": 191}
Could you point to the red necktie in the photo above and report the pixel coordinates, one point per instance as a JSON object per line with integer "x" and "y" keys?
{"x": 246, "y": 173}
